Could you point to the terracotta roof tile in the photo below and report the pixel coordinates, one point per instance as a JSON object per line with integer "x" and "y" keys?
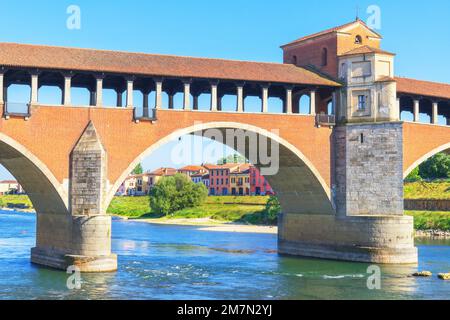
{"x": 49, "y": 57}
{"x": 164, "y": 172}
{"x": 366, "y": 49}
{"x": 192, "y": 168}
{"x": 423, "y": 88}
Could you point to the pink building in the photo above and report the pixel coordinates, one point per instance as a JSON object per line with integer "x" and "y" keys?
{"x": 258, "y": 184}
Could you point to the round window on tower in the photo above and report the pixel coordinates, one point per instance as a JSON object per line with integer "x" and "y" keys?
{"x": 358, "y": 39}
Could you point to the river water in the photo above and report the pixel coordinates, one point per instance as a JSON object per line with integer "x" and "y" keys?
{"x": 181, "y": 262}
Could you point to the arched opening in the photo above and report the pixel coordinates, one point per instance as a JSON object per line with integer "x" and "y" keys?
{"x": 358, "y": 39}
{"x": 43, "y": 189}
{"x": 297, "y": 183}
{"x": 18, "y": 91}
{"x": 330, "y": 108}
{"x": 426, "y": 111}
{"x": 441, "y": 149}
{"x": 305, "y": 104}
{"x": 50, "y": 88}
{"x": 83, "y": 90}
{"x": 252, "y": 104}
{"x": 406, "y": 108}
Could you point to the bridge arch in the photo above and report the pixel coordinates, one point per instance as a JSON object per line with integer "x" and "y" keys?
{"x": 298, "y": 184}
{"x": 425, "y": 157}
{"x": 43, "y": 189}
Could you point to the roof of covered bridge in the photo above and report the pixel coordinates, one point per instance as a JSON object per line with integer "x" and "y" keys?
{"x": 64, "y": 58}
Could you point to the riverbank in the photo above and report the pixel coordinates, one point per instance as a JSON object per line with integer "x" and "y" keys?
{"x": 236, "y": 214}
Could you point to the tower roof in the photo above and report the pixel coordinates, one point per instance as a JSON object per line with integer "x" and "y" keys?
{"x": 341, "y": 28}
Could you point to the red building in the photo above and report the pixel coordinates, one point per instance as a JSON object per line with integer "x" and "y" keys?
{"x": 258, "y": 184}
{"x": 219, "y": 178}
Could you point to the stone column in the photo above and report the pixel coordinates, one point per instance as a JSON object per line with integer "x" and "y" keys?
{"x": 2, "y": 74}
{"x": 219, "y": 102}
{"x": 170, "y": 102}
{"x": 130, "y": 84}
{"x": 265, "y": 98}
{"x": 67, "y": 101}
{"x": 240, "y": 97}
{"x": 99, "y": 91}
{"x": 92, "y": 98}
{"x": 214, "y": 96}
{"x": 34, "y": 87}
{"x": 416, "y": 110}
{"x": 158, "y": 94}
{"x": 187, "y": 95}
{"x": 145, "y": 104}
{"x": 119, "y": 100}
{"x": 195, "y": 102}
{"x": 434, "y": 118}
{"x": 312, "y": 103}
{"x": 288, "y": 100}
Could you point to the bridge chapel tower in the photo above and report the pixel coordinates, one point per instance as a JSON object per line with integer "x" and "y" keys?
{"x": 368, "y": 135}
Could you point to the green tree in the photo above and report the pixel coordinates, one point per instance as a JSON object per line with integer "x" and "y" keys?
{"x": 138, "y": 169}
{"x": 414, "y": 176}
{"x": 174, "y": 193}
{"x": 437, "y": 167}
{"x": 232, "y": 158}
{"x": 272, "y": 210}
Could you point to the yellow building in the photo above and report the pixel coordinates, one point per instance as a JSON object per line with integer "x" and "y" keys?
{"x": 240, "y": 180}
{"x": 154, "y": 176}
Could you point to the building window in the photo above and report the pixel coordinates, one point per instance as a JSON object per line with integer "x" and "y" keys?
{"x": 361, "y": 102}
{"x": 324, "y": 57}
{"x": 294, "y": 60}
{"x": 358, "y": 39}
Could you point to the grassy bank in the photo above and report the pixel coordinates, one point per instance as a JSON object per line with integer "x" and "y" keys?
{"x": 243, "y": 209}
{"x": 248, "y": 210}
{"x": 15, "y": 199}
{"x": 426, "y": 220}
{"x": 427, "y": 190}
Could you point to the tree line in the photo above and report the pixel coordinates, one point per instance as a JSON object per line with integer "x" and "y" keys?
{"x": 437, "y": 167}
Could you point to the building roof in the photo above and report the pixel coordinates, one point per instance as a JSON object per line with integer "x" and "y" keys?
{"x": 221, "y": 166}
{"x": 164, "y": 172}
{"x": 73, "y": 59}
{"x": 332, "y": 30}
{"x": 8, "y": 182}
{"x": 423, "y": 88}
{"x": 193, "y": 168}
{"x": 366, "y": 50}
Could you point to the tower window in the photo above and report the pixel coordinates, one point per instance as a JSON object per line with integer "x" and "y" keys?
{"x": 324, "y": 56}
{"x": 358, "y": 39}
{"x": 294, "y": 60}
{"x": 361, "y": 102}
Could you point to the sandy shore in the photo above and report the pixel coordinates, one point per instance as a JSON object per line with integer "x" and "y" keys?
{"x": 206, "y": 224}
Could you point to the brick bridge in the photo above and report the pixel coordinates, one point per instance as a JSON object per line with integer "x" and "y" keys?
{"x": 341, "y": 161}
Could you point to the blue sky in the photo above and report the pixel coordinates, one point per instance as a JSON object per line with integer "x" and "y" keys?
{"x": 246, "y": 30}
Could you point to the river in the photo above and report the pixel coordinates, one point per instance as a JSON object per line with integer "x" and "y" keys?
{"x": 181, "y": 262}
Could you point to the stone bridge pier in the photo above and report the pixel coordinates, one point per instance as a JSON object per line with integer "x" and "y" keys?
{"x": 369, "y": 224}
{"x": 82, "y": 236}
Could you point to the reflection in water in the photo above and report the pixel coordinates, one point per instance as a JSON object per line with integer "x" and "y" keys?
{"x": 179, "y": 262}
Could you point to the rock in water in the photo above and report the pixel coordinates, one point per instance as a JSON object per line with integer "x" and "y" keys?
{"x": 444, "y": 276}
{"x": 422, "y": 274}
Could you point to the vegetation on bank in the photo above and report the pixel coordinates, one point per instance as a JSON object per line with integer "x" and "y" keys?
{"x": 437, "y": 167}
{"x": 261, "y": 210}
{"x": 427, "y": 190}
{"x": 15, "y": 200}
{"x": 430, "y": 220}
